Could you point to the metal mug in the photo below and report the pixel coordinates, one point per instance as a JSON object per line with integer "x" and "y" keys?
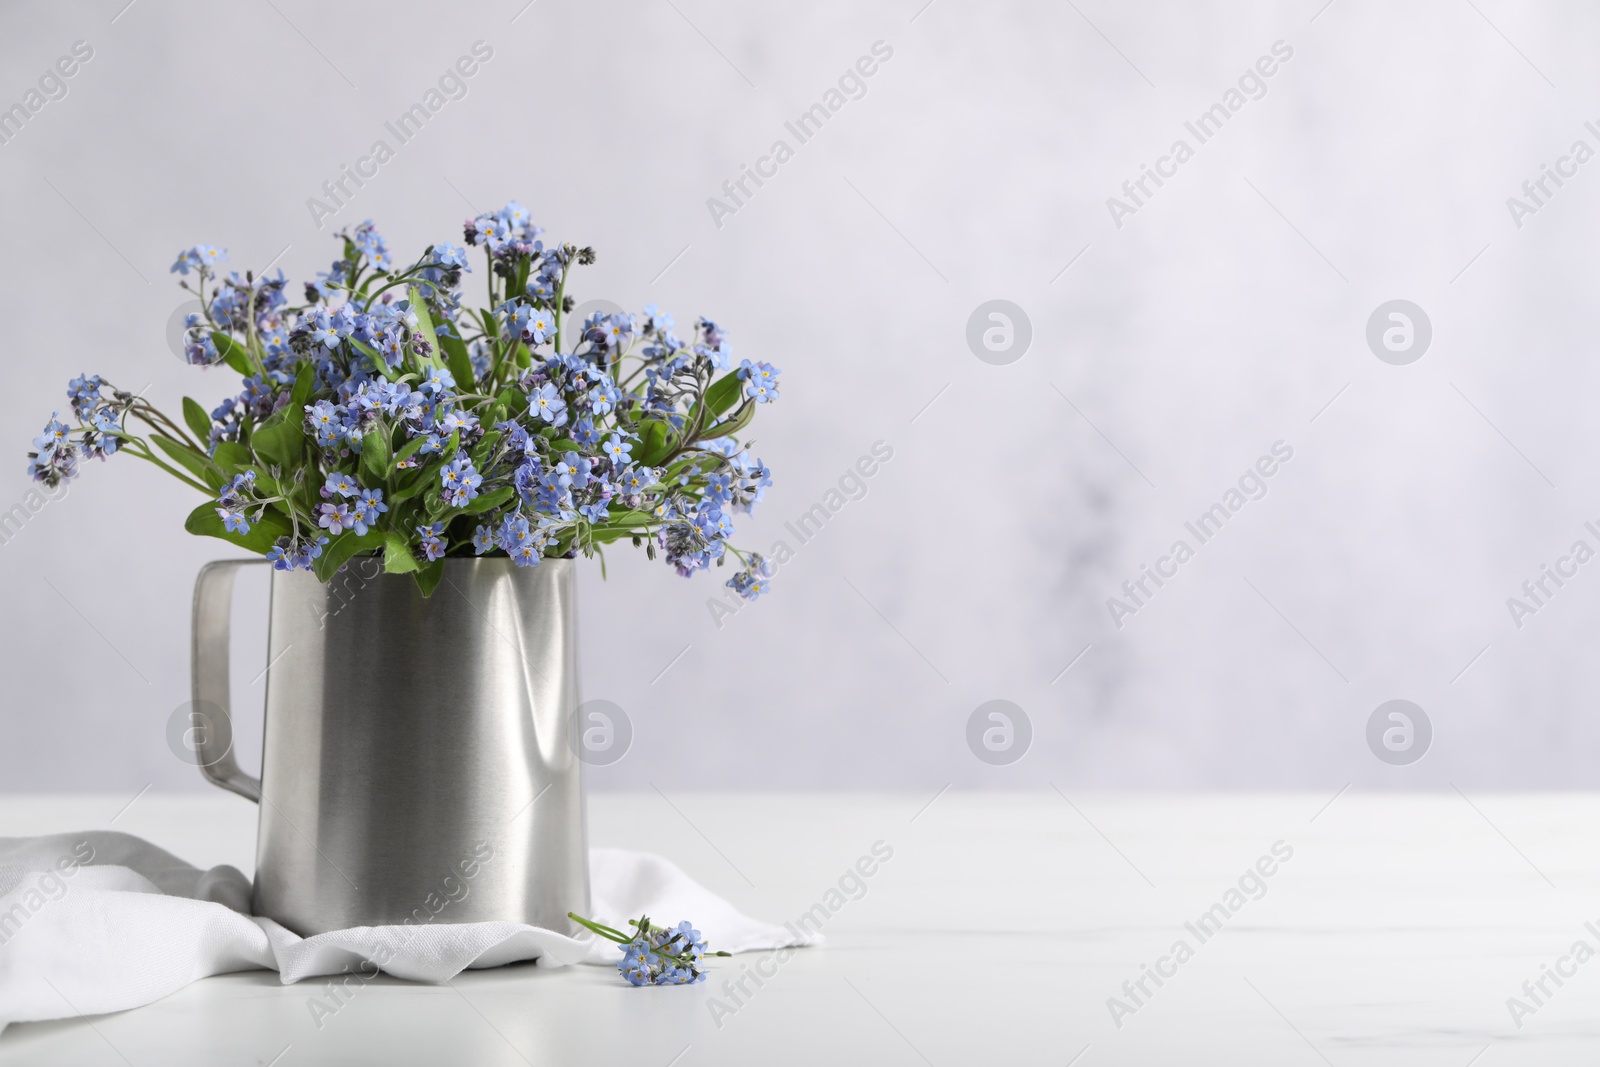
{"x": 419, "y": 762}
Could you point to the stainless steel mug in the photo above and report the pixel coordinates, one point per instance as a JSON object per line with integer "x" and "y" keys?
{"x": 418, "y": 763}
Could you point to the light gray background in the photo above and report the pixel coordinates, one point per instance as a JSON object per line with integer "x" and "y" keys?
{"x": 1223, "y": 317}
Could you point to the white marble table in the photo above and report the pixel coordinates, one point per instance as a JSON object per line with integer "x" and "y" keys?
{"x": 997, "y": 933}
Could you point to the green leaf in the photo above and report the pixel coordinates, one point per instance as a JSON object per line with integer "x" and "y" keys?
{"x": 233, "y": 353}
{"x": 199, "y": 422}
{"x": 205, "y": 522}
{"x": 368, "y": 351}
{"x": 265, "y": 483}
{"x": 279, "y": 440}
{"x": 480, "y": 452}
{"x": 628, "y": 520}
{"x": 723, "y": 393}
{"x": 305, "y": 381}
{"x": 741, "y": 419}
{"x": 342, "y": 547}
{"x": 418, "y": 483}
{"x": 196, "y": 463}
{"x": 397, "y": 557}
{"x": 232, "y": 457}
{"x": 459, "y": 362}
{"x": 655, "y": 441}
{"x": 428, "y": 577}
{"x": 488, "y": 501}
{"x": 375, "y": 455}
{"x": 491, "y": 325}
{"x": 513, "y": 399}
{"x": 424, "y": 324}
{"x": 410, "y": 448}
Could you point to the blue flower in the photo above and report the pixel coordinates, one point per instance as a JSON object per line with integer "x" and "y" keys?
{"x": 488, "y": 230}
{"x": 341, "y": 484}
{"x": 456, "y": 419}
{"x": 635, "y": 480}
{"x": 326, "y": 422}
{"x": 604, "y": 396}
{"x": 715, "y": 525}
{"x": 539, "y": 327}
{"x": 367, "y": 509}
{"x": 482, "y": 540}
{"x": 760, "y": 381}
{"x": 238, "y": 489}
{"x": 522, "y": 543}
{"x": 335, "y": 518}
{"x": 433, "y": 546}
{"x": 200, "y": 257}
{"x": 639, "y": 965}
{"x": 370, "y": 243}
{"x": 460, "y": 481}
{"x": 612, "y": 331}
{"x": 446, "y": 255}
{"x": 437, "y": 381}
{"x": 584, "y": 433}
{"x": 322, "y": 329}
{"x": 84, "y": 392}
{"x": 546, "y": 403}
{"x": 55, "y": 435}
{"x": 656, "y": 319}
{"x": 572, "y": 471}
{"x": 618, "y": 451}
{"x": 233, "y": 521}
{"x": 287, "y": 554}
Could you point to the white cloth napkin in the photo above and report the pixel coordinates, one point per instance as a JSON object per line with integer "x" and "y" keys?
{"x": 101, "y": 921}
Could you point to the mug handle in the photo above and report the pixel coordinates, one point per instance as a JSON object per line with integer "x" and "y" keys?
{"x": 213, "y": 602}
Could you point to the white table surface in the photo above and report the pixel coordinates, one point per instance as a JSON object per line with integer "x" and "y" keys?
{"x": 996, "y": 934}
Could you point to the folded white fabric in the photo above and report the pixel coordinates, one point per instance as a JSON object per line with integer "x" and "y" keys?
{"x": 100, "y": 921}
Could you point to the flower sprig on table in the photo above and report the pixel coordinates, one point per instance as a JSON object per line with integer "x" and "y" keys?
{"x": 381, "y": 416}
{"x": 656, "y": 955}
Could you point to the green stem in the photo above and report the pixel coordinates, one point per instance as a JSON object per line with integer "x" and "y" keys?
{"x": 144, "y": 453}
{"x": 604, "y": 931}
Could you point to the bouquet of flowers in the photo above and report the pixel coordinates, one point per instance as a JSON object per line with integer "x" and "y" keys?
{"x": 382, "y": 416}
{"x": 656, "y": 955}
